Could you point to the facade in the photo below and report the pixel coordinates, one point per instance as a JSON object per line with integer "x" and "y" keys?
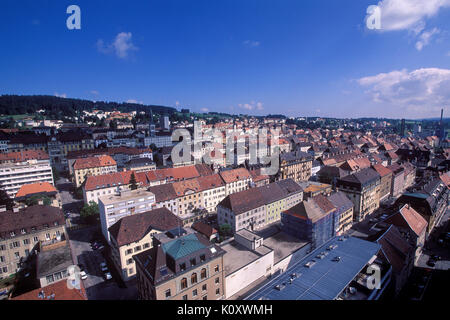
{"x": 93, "y": 166}
{"x": 14, "y": 175}
{"x": 115, "y": 207}
{"x": 363, "y": 189}
{"x": 159, "y": 139}
{"x": 385, "y": 181}
{"x": 52, "y": 263}
{"x": 398, "y": 180}
{"x": 22, "y": 230}
{"x": 213, "y": 191}
{"x": 188, "y": 267}
{"x": 344, "y": 209}
{"x": 295, "y": 165}
{"x": 140, "y": 165}
{"x": 133, "y": 234}
{"x": 310, "y": 221}
{"x": 255, "y": 208}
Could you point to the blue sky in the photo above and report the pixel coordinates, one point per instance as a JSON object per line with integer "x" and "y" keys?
{"x": 298, "y": 58}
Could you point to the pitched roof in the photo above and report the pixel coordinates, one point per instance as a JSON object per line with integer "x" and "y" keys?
{"x": 340, "y": 200}
{"x": 382, "y": 170}
{"x": 94, "y": 162}
{"x": 133, "y": 228}
{"x": 114, "y": 179}
{"x": 362, "y": 177}
{"x": 395, "y": 248}
{"x": 30, "y": 217}
{"x": 408, "y": 217}
{"x": 204, "y": 228}
{"x": 307, "y": 210}
{"x": 35, "y": 188}
{"x": 230, "y": 176}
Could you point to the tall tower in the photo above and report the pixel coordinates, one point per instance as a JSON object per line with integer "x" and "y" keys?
{"x": 403, "y": 128}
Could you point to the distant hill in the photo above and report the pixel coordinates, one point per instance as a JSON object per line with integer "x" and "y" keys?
{"x": 56, "y": 107}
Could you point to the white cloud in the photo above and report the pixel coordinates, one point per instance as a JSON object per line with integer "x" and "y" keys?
{"x": 425, "y": 38}
{"x": 95, "y": 92}
{"x": 204, "y": 109}
{"x": 420, "y": 91}
{"x": 62, "y": 95}
{"x": 251, "y": 43}
{"x": 121, "y": 46}
{"x": 409, "y": 14}
{"x": 251, "y": 106}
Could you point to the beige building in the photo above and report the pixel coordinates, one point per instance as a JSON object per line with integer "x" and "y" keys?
{"x": 187, "y": 267}
{"x": 133, "y": 234}
{"x": 93, "y": 166}
{"x": 22, "y": 230}
{"x": 363, "y": 189}
{"x": 296, "y": 166}
{"x": 236, "y": 180}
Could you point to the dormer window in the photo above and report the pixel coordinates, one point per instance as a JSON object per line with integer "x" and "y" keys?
{"x": 12, "y": 233}
{"x": 23, "y": 231}
{"x": 182, "y": 266}
{"x": 193, "y": 262}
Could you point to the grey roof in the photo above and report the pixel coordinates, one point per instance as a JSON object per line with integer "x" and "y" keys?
{"x": 340, "y": 200}
{"x": 52, "y": 261}
{"x": 326, "y": 279}
{"x": 362, "y": 177}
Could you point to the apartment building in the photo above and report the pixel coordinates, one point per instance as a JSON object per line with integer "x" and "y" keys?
{"x": 363, "y": 189}
{"x": 92, "y": 166}
{"x": 255, "y": 208}
{"x": 16, "y": 174}
{"x": 385, "y": 181}
{"x": 295, "y": 165}
{"x": 398, "y": 180}
{"x": 126, "y": 203}
{"x": 181, "y": 266}
{"x": 213, "y": 191}
{"x": 61, "y": 144}
{"x": 344, "y": 211}
{"x": 133, "y": 234}
{"x": 22, "y": 230}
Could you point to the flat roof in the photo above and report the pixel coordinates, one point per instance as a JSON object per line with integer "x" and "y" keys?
{"x": 248, "y": 235}
{"x": 237, "y": 256}
{"x": 283, "y": 245}
{"x": 55, "y": 260}
{"x": 324, "y": 280}
{"x": 126, "y": 195}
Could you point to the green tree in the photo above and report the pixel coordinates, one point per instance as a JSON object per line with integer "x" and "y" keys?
{"x": 225, "y": 230}
{"x": 90, "y": 212}
{"x": 133, "y": 182}
{"x": 34, "y": 200}
{"x": 5, "y": 200}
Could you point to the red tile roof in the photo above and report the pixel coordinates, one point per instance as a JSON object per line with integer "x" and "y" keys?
{"x": 234, "y": 175}
{"x": 114, "y": 179}
{"x": 59, "y": 289}
{"x": 408, "y": 217}
{"x": 24, "y": 156}
{"x": 33, "y": 188}
{"x": 94, "y": 162}
{"x": 382, "y": 170}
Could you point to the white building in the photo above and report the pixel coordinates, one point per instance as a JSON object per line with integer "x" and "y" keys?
{"x": 14, "y": 175}
{"x": 114, "y": 207}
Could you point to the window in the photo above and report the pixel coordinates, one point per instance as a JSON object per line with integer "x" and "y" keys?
{"x": 2, "y": 247}
{"x": 146, "y": 245}
{"x": 183, "y": 283}
{"x": 202, "y": 258}
{"x": 35, "y": 239}
{"x": 50, "y": 279}
{"x": 193, "y": 262}
{"x": 216, "y": 269}
{"x": 129, "y": 251}
{"x": 194, "y": 293}
{"x": 203, "y": 273}
{"x": 58, "y": 276}
{"x": 2, "y": 259}
{"x": 217, "y": 291}
{"x": 205, "y": 298}
{"x": 182, "y": 266}
{"x": 26, "y": 241}
{"x": 185, "y": 297}
{"x": 204, "y": 287}
{"x": 193, "y": 278}
{"x": 138, "y": 248}
{"x": 217, "y": 281}
{"x": 129, "y": 261}
{"x": 168, "y": 293}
